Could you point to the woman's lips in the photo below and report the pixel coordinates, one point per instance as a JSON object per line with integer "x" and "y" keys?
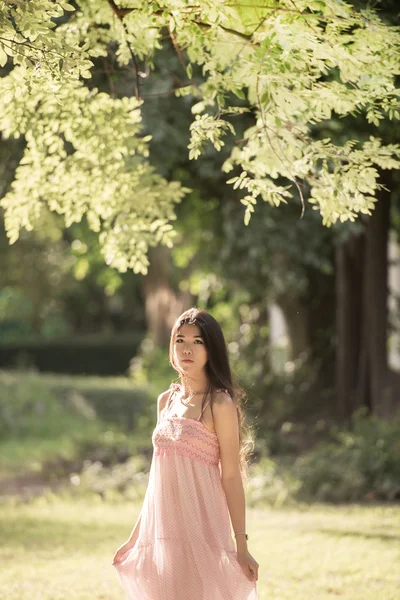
{"x": 187, "y": 360}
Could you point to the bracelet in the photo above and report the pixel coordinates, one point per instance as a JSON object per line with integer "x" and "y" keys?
{"x": 242, "y": 533}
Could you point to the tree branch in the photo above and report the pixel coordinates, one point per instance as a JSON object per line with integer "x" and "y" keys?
{"x": 121, "y": 13}
{"x": 274, "y": 8}
{"x": 181, "y": 59}
{"x": 265, "y": 127}
{"x": 27, "y": 45}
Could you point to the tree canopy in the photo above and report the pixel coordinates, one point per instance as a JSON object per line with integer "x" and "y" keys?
{"x": 294, "y": 66}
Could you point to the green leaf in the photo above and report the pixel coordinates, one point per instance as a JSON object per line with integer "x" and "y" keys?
{"x": 67, "y": 7}
{"x": 240, "y": 94}
{"x": 3, "y": 57}
{"x": 8, "y": 96}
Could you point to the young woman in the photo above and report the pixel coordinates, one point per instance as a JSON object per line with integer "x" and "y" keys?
{"x": 182, "y": 547}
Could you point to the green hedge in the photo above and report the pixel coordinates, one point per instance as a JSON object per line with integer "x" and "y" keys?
{"x": 33, "y": 404}
{"x": 53, "y": 423}
{"x": 86, "y": 355}
{"x": 120, "y": 405}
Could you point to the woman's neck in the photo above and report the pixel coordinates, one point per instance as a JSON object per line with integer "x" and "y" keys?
{"x": 194, "y": 385}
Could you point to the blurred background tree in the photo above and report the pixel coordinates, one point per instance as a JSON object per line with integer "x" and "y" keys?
{"x": 329, "y": 285}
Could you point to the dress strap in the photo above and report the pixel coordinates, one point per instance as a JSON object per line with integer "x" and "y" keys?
{"x": 203, "y": 409}
{"x": 209, "y": 400}
{"x": 173, "y": 387}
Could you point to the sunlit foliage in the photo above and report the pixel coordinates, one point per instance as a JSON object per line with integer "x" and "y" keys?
{"x": 292, "y": 64}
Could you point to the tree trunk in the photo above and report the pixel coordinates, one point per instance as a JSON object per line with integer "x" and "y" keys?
{"x": 362, "y": 374}
{"x": 349, "y": 292}
{"x": 373, "y": 388}
{"x": 321, "y": 308}
{"x": 162, "y": 304}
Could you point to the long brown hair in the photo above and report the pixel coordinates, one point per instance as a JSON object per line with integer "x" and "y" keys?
{"x": 218, "y": 371}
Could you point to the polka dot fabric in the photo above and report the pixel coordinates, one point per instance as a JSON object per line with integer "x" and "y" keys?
{"x": 185, "y": 549}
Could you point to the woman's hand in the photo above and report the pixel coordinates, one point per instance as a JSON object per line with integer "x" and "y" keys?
{"x": 122, "y": 550}
{"x": 248, "y": 563}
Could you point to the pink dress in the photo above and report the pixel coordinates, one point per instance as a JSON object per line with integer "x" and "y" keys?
{"x": 185, "y": 549}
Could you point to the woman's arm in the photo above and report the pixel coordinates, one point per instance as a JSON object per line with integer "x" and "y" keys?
{"x": 226, "y": 425}
{"x": 131, "y": 541}
{"x": 161, "y": 401}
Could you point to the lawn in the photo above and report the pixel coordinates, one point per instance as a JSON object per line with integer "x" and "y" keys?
{"x": 53, "y": 549}
{"x": 60, "y": 547}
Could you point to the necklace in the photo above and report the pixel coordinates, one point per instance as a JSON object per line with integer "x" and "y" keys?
{"x": 186, "y": 403}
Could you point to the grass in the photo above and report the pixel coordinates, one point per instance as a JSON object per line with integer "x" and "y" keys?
{"x": 61, "y": 547}
{"x": 55, "y": 549}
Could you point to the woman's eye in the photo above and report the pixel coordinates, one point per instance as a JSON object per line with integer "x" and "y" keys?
{"x": 177, "y": 341}
{"x": 199, "y": 341}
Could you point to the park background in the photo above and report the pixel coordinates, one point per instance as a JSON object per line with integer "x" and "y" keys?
{"x": 310, "y": 314}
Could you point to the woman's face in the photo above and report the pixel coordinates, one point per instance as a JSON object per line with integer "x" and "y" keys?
{"x": 190, "y": 353}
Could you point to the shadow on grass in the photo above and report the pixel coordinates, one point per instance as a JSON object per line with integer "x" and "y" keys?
{"x": 384, "y": 537}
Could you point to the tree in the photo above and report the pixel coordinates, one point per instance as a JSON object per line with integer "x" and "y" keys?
{"x": 299, "y": 64}
{"x": 363, "y": 377}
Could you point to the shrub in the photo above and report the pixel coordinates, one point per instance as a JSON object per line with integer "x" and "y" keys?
{"x": 53, "y": 424}
{"x": 28, "y": 408}
{"x": 358, "y": 464}
{"x": 127, "y": 481}
{"x": 271, "y": 484}
{"x": 151, "y": 367}
{"x": 35, "y": 405}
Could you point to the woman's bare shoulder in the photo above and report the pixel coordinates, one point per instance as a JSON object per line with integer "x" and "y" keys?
{"x": 162, "y": 399}
{"x": 222, "y": 398}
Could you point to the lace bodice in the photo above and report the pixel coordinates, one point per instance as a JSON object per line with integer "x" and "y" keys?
{"x": 186, "y": 437}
